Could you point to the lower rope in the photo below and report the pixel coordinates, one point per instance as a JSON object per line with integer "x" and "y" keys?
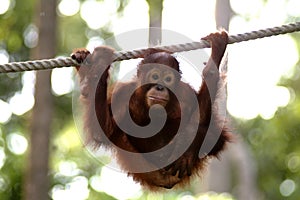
{"x": 126, "y": 55}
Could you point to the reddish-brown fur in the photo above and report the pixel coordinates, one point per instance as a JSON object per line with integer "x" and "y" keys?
{"x": 98, "y": 100}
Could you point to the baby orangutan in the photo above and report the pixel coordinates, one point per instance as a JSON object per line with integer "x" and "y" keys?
{"x": 123, "y": 118}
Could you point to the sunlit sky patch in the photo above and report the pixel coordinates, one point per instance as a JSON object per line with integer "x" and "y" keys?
{"x": 94, "y": 42}
{"x": 5, "y": 112}
{"x": 247, "y": 8}
{"x": 135, "y": 16}
{"x": 4, "y": 6}
{"x": 293, "y": 8}
{"x": 77, "y": 189}
{"x": 192, "y": 18}
{"x": 62, "y": 82}
{"x": 102, "y": 183}
{"x": 23, "y": 101}
{"x": 98, "y": 13}
{"x": 4, "y": 57}
{"x": 253, "y": 76}
{"x": 69, "y": 7}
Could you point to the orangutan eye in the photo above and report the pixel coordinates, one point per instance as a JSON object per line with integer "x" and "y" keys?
{"x": 168, "y": 79}
{"x": 155, "y": 77}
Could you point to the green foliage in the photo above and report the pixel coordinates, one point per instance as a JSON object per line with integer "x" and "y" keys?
{"x": 71, "y": 33}
{"x": 100, "y": 195}
{"x": 10, "y": 84}
{"x": 13, "y": 24}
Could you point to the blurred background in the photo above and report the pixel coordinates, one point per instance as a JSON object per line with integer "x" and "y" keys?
{"x": 41, "y": 153}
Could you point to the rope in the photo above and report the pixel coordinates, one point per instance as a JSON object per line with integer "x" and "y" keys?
{"x": 37, "y": 65}
{"x": 126, "y": 55}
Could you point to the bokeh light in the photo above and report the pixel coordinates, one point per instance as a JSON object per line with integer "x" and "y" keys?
{"x": 77, "y": 189}
{"x": 287, "y": 187}
{"x": 255, "y": 68}
{"x": 104, "y": 183}
{"x": 62, "y": 81}
{"x": 68, "y": 7}
{"x": 31, "y": 36}
{"x": 4, "y": 57}
{"x": 4, "y": 6}
{"x": 20, "y": 103}
{"x": 2, "y": 158}
{"x": 98, "y": 13}
{"x": 16, "y": 143}
{"x": 6, "y": 112}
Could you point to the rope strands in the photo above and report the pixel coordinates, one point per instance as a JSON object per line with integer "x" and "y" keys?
{"x": 289, "y": 28}
{"x": 37, "y": 65}
{"x": 126, "y": 55}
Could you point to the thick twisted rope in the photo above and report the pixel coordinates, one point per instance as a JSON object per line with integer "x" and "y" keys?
{"x": 126, "y": 55}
